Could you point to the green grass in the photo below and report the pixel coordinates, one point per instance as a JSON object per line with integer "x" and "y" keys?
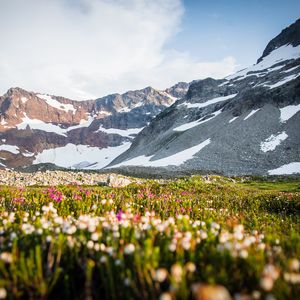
{"x": 282, "y": 186}
{"x": 150, "y": 240}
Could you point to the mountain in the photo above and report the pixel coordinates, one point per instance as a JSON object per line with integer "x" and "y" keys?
{"x": 246, "y": 123}
{"x": 37, "y": 128}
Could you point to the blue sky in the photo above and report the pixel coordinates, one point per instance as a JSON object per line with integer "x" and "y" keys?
{"x": 84, "y": 49}
{"x": 240, "y": 28}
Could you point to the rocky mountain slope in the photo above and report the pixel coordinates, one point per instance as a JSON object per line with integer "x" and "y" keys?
{"x": 37, "y": 128}
{"x": 247, "y": 123}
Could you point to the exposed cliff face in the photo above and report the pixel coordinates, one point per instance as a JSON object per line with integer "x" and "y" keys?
{"x": 247, "y": 123}
{"x": 37, "y": 128}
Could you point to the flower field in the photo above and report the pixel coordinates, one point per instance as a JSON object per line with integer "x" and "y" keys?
{"x": 181, "y": 239}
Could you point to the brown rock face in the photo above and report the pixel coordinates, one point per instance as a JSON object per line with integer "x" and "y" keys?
{"x": 31, "y": 122}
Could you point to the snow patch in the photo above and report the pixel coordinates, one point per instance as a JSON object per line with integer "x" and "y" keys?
{"x": 56, "y": 104}
{"x": 273, "y": 141}
{"x": 40, "y": 125}
{"x": 173, "y": 160}
{"x": 196, "y": 123}
{"x": 278, "y": 55}
{"x": 10, "y": 148}
{"x": 283, "y": 81}
{"x": 231, "y": 120}
{"x": 49, "y": 127}
{"x": 123, "y": 132}
{"x": 83, "y": 123}
{"x": 104, "y": 112}
{"x": 287, "y": 112}
{"x": 209, "y": 102}
{"x": 24, "y": 99}
{"x": 3, "y": 122}
{"x": 27, "y": 154}
{"x": 251, "y": 113}
{"x": 80, "y": 155}
{"x": 291, "y": 69}
{"x": 288, "y": 169}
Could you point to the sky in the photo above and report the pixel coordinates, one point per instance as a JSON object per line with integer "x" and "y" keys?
{"x": 84, "y": 49}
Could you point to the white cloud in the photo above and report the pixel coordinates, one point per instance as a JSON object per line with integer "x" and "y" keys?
{"x": 89, "y": 48}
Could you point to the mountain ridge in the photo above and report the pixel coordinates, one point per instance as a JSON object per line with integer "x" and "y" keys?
{"x": 244, "y": 122}
{"x": 38, "y": 128}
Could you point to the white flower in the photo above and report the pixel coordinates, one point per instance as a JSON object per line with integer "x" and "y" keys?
{"x": 185, "y": 243}
{"x": 176, "y": 271}
{"x": 127, "y": 281}
{"x": 165, "y": 296}
{"x": 271, "y": 271}
{"x": 243, "y": 253}
{"x": 13, "y": 235}
{"x": 256, "y": 295}
{"x": 190, "y": 267}
{"x": 161, "y": 275}
{"x": 294, "y": 265}
{"x": 27, "y": 228}
{"x": 95, "y": 236}
{"x": 172, "y": 247}
{"x": 118, "y": 262}
{"x": 266, "y": 283}
{"x": 129, "y": 249}
{"x": 6, "y": 257}
{"x": 97, "y": 247}
{"x": 3, "y": 293}
{"x": 103, "y": 259}
{"x": 293, "y": 278}
{"x": 90, "y": 244}
{"x": 39, "y": 231}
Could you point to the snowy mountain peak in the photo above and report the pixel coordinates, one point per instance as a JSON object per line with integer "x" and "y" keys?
{"x": 249, "y": 121}
{"x": 288, "y": 36}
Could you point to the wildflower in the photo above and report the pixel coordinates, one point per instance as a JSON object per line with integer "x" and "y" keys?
{"x": 266, "y": 283}
{"x": 13, "y": 235}
{"x": 103, "y": 259}
{"x": 165, "y": 296}
{"x": 27, "y": 228}
{"x": 90, "y": 244}
{"x": 95, "y": 236}
{"x": 127, "y": 281}
{"x": 118, "y": 262}
{"x": 293, "y": 278}
{"x": 243, "y": 253}
{"x": 294, "y": 265}
{"x": 119, "y": 215}
{"x": 110, "y": 251}
{"x": 6, "y": 257}
{"x": 172, "y": 247}
{"x": 176, "y": 271}
{"x": 3, "y": 293}
{"x": 271, "y": 271}
{"x": 39, "y": 231}
{"x": 161, "y": 275}
{"x": 256, "y": 295}
{"x": 129, "y": 249}
{"x": 186, "y": 243}
{"x": 48, "y": 238}
{"x": 190, "y": 267}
